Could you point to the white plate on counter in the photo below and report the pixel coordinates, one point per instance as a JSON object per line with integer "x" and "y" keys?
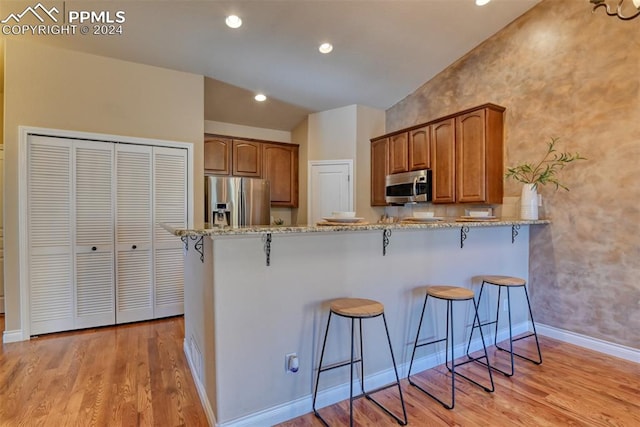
{"x": 478, "y": 217}
{"x": 342, "y": 219}
{"x": 426, "y": 219}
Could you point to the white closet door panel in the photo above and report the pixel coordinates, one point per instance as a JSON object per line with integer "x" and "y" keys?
{"x": 95, "y": 305}
{"x": 51, "y": 293}
{"x": 94, "y": 219}
{"x": 94, "y": 194}
{"x": 134, "y": 261}
{"x": 169, "y": 280}
{"x": 170, "y": 194}
{"x": 133, "y": 166}
{"x": 134, "y": 291}
{"x": 170, "y": 206}
{"x": 49, "y": 177}
{"x": 49, "y": 189}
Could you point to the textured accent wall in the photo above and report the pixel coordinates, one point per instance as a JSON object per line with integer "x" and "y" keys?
{"x": 562, "y": 71}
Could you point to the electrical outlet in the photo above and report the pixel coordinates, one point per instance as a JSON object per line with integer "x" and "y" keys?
{"x": 505, "y": 305}
{"x": 291, "y": 363}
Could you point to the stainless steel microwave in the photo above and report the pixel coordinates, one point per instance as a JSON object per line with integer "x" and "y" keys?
{"x": 408, "y": 187}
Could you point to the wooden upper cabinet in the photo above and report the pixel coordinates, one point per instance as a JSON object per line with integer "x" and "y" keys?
{"x": 379, "y": 171}
{"x": 479, "y": 167}
{"x": 217, "y": 155}
{"x": 419, "y": 149}
{"x": 443, "y": 160}
{"x": 470, "y": 157}
{"x": 281, "y": 169}
{"x": 399, "y": 153}
{"x": 247, "y": 158}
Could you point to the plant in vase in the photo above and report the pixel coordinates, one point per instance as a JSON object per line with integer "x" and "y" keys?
{"x": 544, "y": 172}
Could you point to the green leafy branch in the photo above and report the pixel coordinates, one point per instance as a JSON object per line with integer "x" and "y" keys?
{"x": 545, "y": 171}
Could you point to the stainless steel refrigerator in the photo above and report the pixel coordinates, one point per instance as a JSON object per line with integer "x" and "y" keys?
{"x": 235, "y": 202}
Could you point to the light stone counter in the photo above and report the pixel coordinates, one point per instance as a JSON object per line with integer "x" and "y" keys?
{"x": 207, "y": 230}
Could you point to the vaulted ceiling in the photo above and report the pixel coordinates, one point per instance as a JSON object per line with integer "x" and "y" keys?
{"x": 383, "y": 49}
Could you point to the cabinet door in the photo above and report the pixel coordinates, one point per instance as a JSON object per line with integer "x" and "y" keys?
{"x": 379, "y": 171}
{"x": 470, "y": 157}
{"x": 94, "y": 234}
{"x": 281, "y": 169}
{"x": 398, "y": 153}
{"x": 247, "y": 158}
{"x": 419, "y": 149}
{"x": 134, "y": 268}
{"x": 50, "y": 242}
{"x": 443, "y": 160}
{"x": 170, "y": 207}
{"x": 217, "y": 155}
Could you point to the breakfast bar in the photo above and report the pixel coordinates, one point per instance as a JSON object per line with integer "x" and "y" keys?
{"x": 256, "y": 295}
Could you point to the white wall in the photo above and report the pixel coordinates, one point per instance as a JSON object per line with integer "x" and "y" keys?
{"x": 242, "y": 131}
{"x": 62, "y": 89}
{"x": 345, "y": 133}
{"x": 333, "y": 134}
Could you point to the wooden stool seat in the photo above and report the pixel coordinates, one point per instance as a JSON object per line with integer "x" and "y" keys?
{"x": 356, "y": 307}
{"x": 504, "y": 280}
{"x": 455, "y": 293}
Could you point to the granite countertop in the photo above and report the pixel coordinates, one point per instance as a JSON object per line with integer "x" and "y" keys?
{"x": 208, "y": 230}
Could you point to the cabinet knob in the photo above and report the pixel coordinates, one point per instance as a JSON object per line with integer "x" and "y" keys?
{"x": 93, "y": 248}
{"x": 133, "y": 247}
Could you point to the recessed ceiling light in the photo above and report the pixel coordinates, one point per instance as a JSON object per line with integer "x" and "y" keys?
{"x": 260, "y": 97}
{"x": 482, "y": 2}
{"x": 233, "y": 21}
{"x": 325, "y": 48}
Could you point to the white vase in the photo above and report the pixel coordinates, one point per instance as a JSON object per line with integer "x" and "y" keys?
{"x": 529, "y": 202}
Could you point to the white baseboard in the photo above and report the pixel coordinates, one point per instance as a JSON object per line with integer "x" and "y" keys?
{"x": 326, "y": 397}
{"x": 612, "y": 349}
{"x": 202, "y": 393}
{"x": 12, "y": 336}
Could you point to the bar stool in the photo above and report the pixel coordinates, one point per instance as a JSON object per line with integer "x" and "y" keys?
{"x": 507, "y": 282}
{"x": 358, "y": 309}
{"x": 449, "y": 294}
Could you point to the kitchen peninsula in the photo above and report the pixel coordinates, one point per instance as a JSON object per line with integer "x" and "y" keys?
{"x": 256, "y": 294}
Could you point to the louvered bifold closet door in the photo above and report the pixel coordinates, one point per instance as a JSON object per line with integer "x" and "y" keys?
{"x": 49, "y": 189}
{"x": 94, "y": 218}
{"x": 170, "y": 207}
{"x": 134, "y": 266}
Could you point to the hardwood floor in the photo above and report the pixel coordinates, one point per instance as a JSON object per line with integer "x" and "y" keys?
{"x": 136, "y": 375}
{"x": 129, "y": 375}
{"x": 572, "y": 387}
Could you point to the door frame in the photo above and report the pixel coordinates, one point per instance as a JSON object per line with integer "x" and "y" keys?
{"x": 312, "y": 163}
{"x": 24, "y": 131}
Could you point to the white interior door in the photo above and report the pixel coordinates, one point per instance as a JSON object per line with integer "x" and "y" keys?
{"x": 50, "y": 238}
{"x": 170, "y": 206}
{"x": 94, "y": 234}
{"x": 134, "y": 265}
{"x": 330, "y": 188}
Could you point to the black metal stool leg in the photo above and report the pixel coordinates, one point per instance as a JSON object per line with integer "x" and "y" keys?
{"x": 511, "y": 339}
{"x": 478, "y": 325}
{"x": 353, "y": 321}
{"x": 415, "y": 343}
{"x": 533, "y": 324}
{"x": 315, "y": 392}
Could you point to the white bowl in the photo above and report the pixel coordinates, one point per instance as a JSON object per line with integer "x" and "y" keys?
{"x": 478, "y": 213}
{"x": 423, "y": 214}
{"x": 343, "y": 214}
